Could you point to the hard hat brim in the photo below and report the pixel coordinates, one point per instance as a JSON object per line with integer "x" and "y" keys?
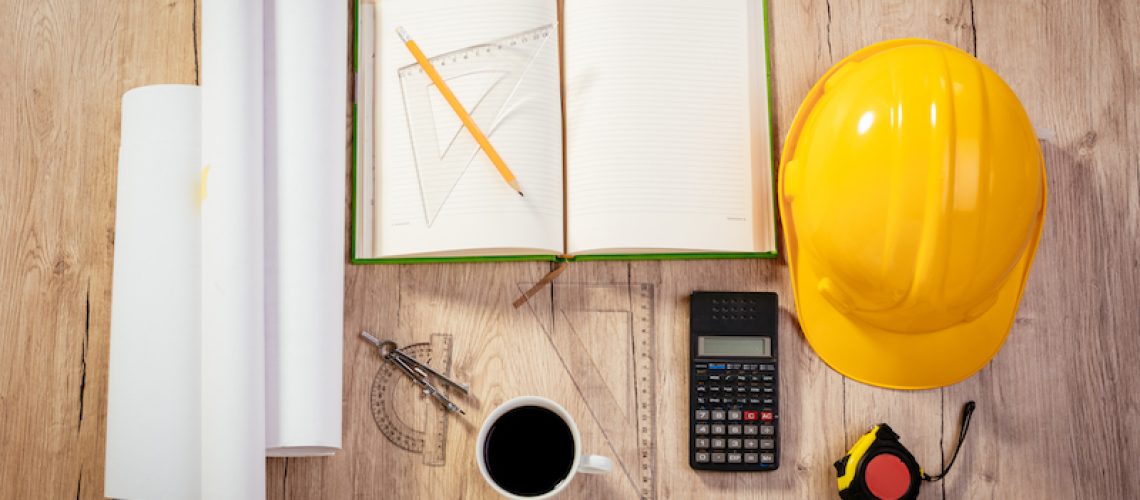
{"x": 899, "y": 360}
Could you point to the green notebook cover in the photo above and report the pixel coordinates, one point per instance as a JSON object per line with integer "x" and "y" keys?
{"x": 554, "y": 258}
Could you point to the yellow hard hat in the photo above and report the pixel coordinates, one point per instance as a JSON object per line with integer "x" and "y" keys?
{"x": 912, "y": 193}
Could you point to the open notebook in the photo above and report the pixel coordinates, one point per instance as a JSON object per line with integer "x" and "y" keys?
{"x": 637, "y": 129}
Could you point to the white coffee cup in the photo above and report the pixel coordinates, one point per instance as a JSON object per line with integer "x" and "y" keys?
{"x": 590, "y": 464}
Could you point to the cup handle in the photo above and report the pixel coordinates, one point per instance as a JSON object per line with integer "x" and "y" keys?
{"x": 595, "y": 464}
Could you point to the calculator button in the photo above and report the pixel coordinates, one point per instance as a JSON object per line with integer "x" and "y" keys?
{"x": 717, "y": 429}
{"x": 701, "y": 365}
{"x": 702, "y": 414}
{"x": 701, "y": 388}
{"x": 769, "y": 401}
{"x": 718, "y": 458}
{"x": 766, "y": 416}
{"x": 734, "y": 444}
{"x": 754, "y": 401}
{"x": 767, "y": 444}
{"x": 767, "y": 378}
{"x": 718, "y": 414}
{"x": 767, "y": 430}
{"x": 741, "y": 389}
{"x": 701, "y": 400}
{"x": 714, "y": 401}
{"x": 702, "y": 429}
{"x": 768, "y": 390}
{"x": 754, "y": 378}
{"x": 734, "y": 458}
{"x": 716, "y": 366}
{"x": 749, "y": 415}
{"x": 717, "y": 443}
{"x": 734, "y": 366}
{"x": 702, "y": 457}
{"x": 767, "y": 458}
{"x": 702, "y": 443}
{"x": 741, "y": 400}
{"x": 755, "y": 390}
{"x": 750, "y": 458}
{"x": 749, "y": 367}
{"x": 750, "y": 430}
{"x": 751, "y": 444}
{"x": 714, "y": 377}
{"x": 734, "y": 430}
{"x": 734, "y": 415}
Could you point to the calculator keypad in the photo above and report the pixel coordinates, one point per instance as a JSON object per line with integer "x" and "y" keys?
{"x": 734, "y": 418}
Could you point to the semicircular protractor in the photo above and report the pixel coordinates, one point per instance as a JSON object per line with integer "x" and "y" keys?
{"x": 404, "y": 415}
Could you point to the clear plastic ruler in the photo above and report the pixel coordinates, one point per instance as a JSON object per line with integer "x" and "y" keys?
{"x": 485, "y": 78}
{"x": 604, "y": 336}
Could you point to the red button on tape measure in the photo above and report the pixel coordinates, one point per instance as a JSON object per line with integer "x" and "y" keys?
{"x": 887, "y": 477}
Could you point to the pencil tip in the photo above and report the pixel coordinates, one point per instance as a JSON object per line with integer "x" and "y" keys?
{"x": 520, "y": 193}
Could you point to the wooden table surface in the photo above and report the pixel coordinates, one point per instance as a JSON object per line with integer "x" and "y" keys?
{"x": 1058, "y": 409}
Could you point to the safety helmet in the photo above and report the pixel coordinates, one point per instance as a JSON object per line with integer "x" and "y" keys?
{"x": 912, "y": 194}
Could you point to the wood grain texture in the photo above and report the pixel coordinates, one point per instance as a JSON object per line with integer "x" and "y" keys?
{"x": 64, "y": 67}
{"x": 1058, "y": 414}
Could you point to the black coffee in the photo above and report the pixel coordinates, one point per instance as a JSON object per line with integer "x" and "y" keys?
{"x": 529, "y": 450}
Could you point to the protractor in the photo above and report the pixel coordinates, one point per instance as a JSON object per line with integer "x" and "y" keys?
{"x": 404, "y": 415}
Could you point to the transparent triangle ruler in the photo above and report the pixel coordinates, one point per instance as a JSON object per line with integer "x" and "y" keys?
{"x": 485, "y": 78}
{"x": 603, "y": 334}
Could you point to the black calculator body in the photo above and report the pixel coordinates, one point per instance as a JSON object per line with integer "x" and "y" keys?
{"x": 733, "y": 383}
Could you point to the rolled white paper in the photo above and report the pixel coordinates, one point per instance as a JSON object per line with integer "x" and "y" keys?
{"x": 233, "y": 252}
{"x": 230, "y": 218}
{"x": 153, "y": 399}
{"x": 305, "y": 194}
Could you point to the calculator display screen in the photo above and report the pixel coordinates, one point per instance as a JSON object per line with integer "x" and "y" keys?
{"x": 734, "y": 346}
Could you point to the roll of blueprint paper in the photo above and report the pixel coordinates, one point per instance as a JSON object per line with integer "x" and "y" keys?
{"x": 233, "y": 250}
{"x": 153, "y": 399}
{"x": 227, "y": 308}
{"x": 306, "y": 137}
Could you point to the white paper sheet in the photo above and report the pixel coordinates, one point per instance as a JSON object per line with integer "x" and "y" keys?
{"x": 233, "y": 289}
{"x": 153, "y": 438}
{"x": 308, "y": 54}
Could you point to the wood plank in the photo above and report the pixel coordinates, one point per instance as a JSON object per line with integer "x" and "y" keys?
{"x": 66, "y": 65}
{"x": 1059, "y": 402}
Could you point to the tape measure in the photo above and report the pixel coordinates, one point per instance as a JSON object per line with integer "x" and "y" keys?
{"x": 879, "y": 467}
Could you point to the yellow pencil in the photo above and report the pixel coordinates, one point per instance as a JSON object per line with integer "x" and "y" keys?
{"x": 459, "y": 111}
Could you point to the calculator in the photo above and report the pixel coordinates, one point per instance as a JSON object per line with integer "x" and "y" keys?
{"x": 733, "y": 382}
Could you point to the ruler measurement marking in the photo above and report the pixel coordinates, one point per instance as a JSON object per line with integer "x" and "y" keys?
{"x": 486, "y": 48}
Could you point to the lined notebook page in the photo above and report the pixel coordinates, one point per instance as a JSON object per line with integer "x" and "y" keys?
{"x": 481, "y": 214}
{"x": 666, "y": 127}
